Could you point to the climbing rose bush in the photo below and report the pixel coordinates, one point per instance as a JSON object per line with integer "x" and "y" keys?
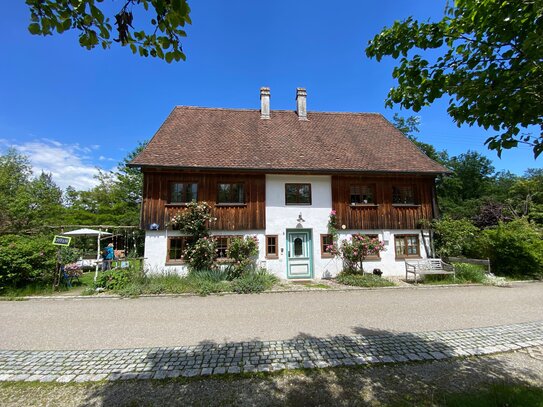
{"x": 242, "y": 251}
{"x": 332, "y": 223}
{"x": 201, "y": 254}
{"x": 354, "y": 251}
{"x": 194, "y": 220}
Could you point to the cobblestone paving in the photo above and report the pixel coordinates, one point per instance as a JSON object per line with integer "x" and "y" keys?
{"x": 263, "y": 356}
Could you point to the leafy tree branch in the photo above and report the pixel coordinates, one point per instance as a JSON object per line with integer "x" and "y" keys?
{"x": 489, "y": 64}
{"x": 168, "y": 17}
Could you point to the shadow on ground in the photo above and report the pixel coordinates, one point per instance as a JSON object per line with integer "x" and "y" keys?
{"x": 414, "y": 383}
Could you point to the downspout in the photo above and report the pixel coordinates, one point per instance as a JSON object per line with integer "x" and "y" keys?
{"x": 435, "y": 215}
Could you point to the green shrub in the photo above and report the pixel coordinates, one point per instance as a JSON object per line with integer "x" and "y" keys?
{"x": 25, "y": 259}
{"x": 363, "y": 280}
{"x": 470, "y": 273}
{"x": 115, "y": 280}
{"x": 454, "y": 237}
{"x": 254, "y": 282}
{"x": 515, "y": 249}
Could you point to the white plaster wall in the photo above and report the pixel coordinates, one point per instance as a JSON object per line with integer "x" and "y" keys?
{"x": 388, "y": 264}
{"x": 280, "y": 217}
{"x": 156, "y": 246}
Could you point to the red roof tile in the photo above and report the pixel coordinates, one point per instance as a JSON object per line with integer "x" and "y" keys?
{"x": 198, "y": 138}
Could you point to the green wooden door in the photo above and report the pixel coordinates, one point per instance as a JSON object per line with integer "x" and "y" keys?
{"x": 299, "y": 254}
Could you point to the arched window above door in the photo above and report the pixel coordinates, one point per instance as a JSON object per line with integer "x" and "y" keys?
{"x": 298, "y": 247}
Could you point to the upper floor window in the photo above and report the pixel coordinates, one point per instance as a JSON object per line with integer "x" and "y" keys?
{"x": 403, "y": 195}
{"x": 362, "y": 194}
{"x": 231, "y": 193}
{"x": 181, "y": 193}
{"x": 298, "y": 194}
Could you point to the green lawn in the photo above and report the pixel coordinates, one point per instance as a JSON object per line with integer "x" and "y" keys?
{"x": 465, "y": 274}
{"x": 335, "y": 386}
{"x": 311, "y": 284}
{"x": 85, "y": 281}
{"x": 496, "y": 396}
{"x": 363, "y": 280}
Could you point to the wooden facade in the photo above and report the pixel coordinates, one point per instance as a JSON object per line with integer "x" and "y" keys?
{"x": 382, "y": 213}
{"x": 250, "y": 215}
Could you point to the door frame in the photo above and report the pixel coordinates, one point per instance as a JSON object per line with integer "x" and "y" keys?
{"x": 309, "y": 234}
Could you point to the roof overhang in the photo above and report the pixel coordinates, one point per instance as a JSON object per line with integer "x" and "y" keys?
{"x": 271, "y": 170}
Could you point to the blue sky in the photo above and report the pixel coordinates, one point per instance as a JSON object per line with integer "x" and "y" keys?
{"x": 72, "y": 110}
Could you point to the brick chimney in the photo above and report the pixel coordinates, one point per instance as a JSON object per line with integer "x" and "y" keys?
{"x": 301, "y": 104}
{"x": 264, "y": 103}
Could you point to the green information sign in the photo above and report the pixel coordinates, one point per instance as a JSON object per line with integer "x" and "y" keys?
{"x": 62, "y": 240}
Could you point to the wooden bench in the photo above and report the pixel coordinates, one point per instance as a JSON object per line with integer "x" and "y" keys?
{"x": 427, "y": 266}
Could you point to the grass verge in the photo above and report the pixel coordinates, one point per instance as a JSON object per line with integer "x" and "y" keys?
{"x": 363, "y": 280}
{"x": 85, "y": 282}
{"x": 496, "y": 396}
{"x": 465, "y": 274}
{"x": 201, "y": 282}
{"x": 335, "y": 386}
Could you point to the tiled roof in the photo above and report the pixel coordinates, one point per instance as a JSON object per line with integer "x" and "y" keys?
{"x": 209, "y": 138}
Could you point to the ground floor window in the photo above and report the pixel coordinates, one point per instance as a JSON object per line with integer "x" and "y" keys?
{"x": 376, "y": 255}
{"x": 407, "y": 245}
{"x": 223, "y": 243}
{"x": 326, "y": 241}
{"x": 176, "y": 249}
{"x": 271, "y": 247}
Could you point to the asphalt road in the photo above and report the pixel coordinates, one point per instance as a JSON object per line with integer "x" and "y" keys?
{"x": 100, "y": 323}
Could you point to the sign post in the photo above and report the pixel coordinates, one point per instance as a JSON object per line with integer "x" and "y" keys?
{"x": 61, "y": 240}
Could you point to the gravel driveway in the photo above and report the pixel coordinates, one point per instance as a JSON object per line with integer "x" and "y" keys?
{"x": 99, "y": 323}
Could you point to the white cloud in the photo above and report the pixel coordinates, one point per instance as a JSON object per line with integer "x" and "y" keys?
{"x": 104, "y": 158}
{"x": 69, "y": 164}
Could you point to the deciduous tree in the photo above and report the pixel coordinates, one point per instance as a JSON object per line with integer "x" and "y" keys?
{"x": 486, "y": 56}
